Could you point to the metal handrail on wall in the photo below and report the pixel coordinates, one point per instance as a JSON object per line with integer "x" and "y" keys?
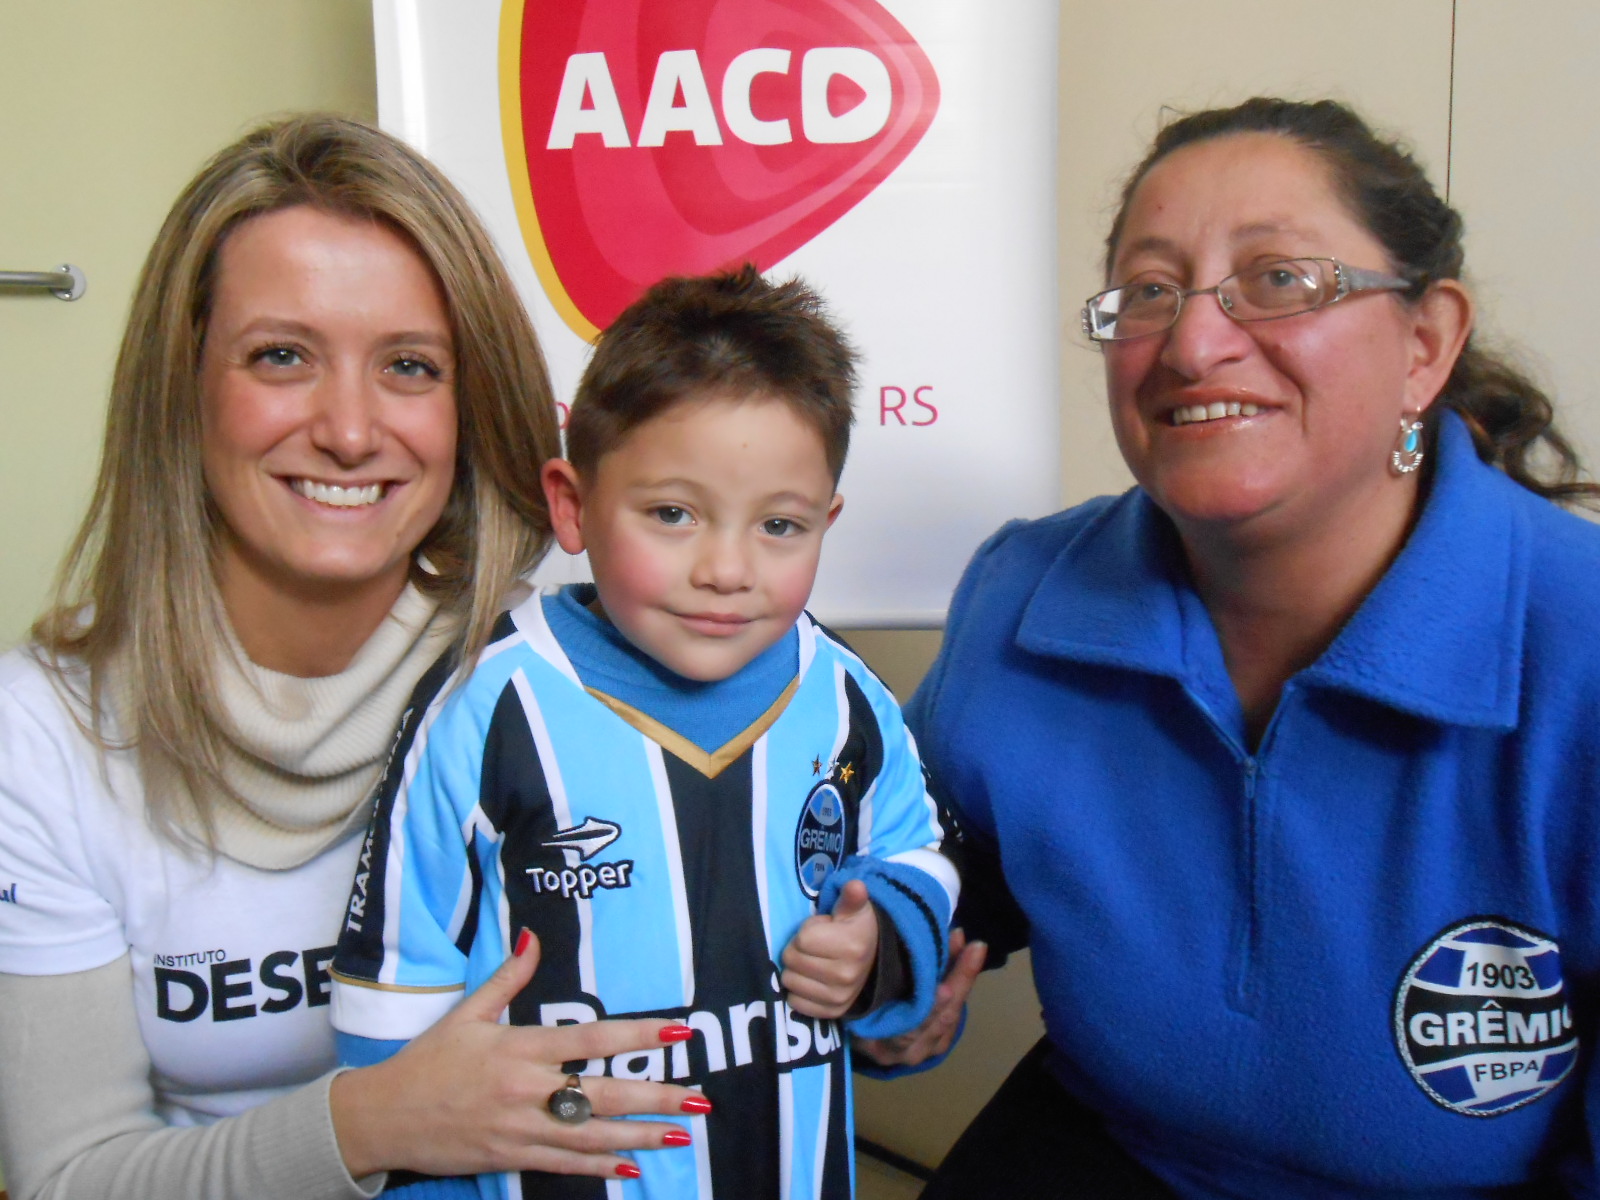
{"x": 66, "y": 282}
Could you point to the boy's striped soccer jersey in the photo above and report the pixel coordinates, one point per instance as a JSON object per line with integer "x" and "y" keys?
{"x": 661, "y": 880}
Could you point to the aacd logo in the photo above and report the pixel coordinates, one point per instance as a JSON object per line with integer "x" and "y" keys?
{"x": 646, "y": 139}
{"x": 1482, "y": 1017}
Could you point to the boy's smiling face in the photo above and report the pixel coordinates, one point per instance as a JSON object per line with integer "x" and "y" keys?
{"x": 703, "y": 528}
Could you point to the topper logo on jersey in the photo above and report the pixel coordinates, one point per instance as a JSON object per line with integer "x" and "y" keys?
{"x": 647, "y": 139}
{"x": 820, "y": 837}
{"x": 1481, "y": 1017}
{"x": 579, "y": 844}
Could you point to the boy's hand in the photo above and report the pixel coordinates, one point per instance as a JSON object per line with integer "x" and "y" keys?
{"x": 828, "y": 962}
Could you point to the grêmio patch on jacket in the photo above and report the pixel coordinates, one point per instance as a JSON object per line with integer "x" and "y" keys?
{"x": 1481, "y": 1017}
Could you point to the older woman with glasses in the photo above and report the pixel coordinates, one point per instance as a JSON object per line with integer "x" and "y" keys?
{"x": 1285, "y": 762}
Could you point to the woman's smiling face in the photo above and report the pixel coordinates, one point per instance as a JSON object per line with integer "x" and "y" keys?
{"x": 327, "y": 405}
{"x": 1329, "y": 387}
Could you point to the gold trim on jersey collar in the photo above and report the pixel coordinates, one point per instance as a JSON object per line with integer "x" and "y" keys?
{"x": 670, "y": 740}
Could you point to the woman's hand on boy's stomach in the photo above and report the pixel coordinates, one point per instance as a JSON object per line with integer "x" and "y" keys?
{"x": 470, "y": 1096}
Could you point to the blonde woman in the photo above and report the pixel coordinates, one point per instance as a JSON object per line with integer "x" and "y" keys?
{"x": 320, "y": 474}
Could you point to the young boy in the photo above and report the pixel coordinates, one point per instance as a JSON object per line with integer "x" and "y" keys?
{"x": 675, "y": 778}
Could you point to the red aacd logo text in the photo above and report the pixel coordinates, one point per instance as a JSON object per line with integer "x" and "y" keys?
{"x": 676, "y": 138}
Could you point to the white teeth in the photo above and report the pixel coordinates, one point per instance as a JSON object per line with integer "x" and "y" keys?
{"x": 338, "y": 497}
{"x": 1192, "y": 413}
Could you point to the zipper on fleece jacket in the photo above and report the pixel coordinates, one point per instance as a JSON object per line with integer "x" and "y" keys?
{"x": 1245, "y": 937}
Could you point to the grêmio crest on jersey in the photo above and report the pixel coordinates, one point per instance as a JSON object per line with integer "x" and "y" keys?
{"x": 1482, "y": 1018}
{"x": 822, "y": 836}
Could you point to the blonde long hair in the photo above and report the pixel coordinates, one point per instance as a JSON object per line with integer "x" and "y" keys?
{"x": 137, "y": 587}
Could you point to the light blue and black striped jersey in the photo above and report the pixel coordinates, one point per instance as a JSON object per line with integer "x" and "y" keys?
{"x": 661, "y": 880}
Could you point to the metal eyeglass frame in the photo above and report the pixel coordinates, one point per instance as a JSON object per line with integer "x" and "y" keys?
{"x": 1348, "y": 280}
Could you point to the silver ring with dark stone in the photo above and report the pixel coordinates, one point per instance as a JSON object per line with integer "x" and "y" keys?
{"x": 568, "y": 1104}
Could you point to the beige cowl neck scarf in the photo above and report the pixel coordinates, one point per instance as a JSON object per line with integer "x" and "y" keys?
{"x": 307, "y": 753}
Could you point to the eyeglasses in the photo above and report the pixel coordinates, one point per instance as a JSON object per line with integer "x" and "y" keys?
{"x": 1266, "y": 291}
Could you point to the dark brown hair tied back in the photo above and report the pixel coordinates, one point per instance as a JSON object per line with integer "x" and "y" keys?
{"x": 1510, "y": 417}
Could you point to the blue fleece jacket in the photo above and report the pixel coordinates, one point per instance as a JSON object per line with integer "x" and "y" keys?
{"x": 1360, "y": 960}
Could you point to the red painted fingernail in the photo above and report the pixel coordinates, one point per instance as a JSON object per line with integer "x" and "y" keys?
{"x": 696, "y": 1104}
{"x": 676, "y": 1033}
{"x": 627, "y": 1171}
{"x": 673, "y": 1137}
{"x": 524, "y": 940}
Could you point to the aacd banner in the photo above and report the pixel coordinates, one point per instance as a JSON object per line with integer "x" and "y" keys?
{"x": 899, "y": 154}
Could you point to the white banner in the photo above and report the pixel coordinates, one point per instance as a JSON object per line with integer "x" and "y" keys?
{"x": 898, "y": 154}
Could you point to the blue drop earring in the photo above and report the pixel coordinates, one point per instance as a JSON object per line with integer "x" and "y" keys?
{"x": 1407, "y": 456}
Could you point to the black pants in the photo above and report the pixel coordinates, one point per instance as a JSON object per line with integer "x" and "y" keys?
{"x": 1032, "y": 1141}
